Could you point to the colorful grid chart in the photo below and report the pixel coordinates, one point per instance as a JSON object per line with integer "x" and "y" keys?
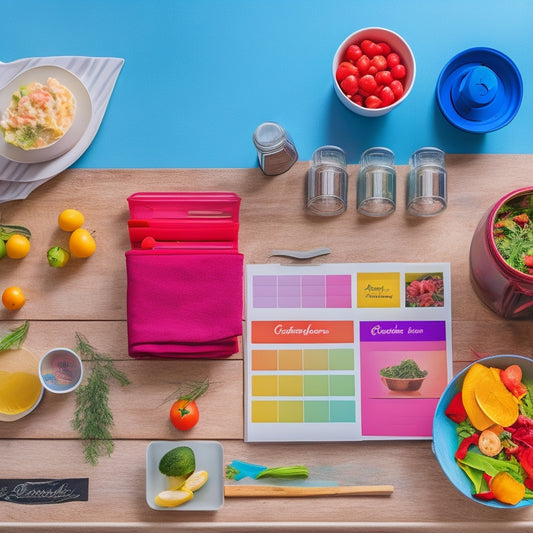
{"x": 318, "y": 336}
{"x": 332, "y": 291}
{"x": 303, "y": 385}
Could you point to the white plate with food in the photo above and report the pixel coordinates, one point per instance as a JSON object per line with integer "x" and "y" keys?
{"x": 208, "y": 456}
{"x": 43, "y": 130}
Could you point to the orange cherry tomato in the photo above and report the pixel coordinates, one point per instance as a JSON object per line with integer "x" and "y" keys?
{"x": 17, "y": 246}
{"x": 184, "y": 414}
{"x": 81, "y": 243}
{"x": 13, "y": 298}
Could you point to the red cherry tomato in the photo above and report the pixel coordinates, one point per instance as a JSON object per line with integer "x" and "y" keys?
{"x": 379, "y": 62}
{"x": 393, "y": 59}
{"x": 372, "y": 102}
{"x": 346, "y": 69}
{"x": 377, "y": 90}
{"x": 370, "y": 48}
{"x": 367, "y": 85}
{"x": 387, "y": 96}
{"x": 398, "y": 72}
{"x": 385, "y": 49}
{"x": 363, "y": 64}
{"x": 350, "y": 85}
{"x": 397, "y": 88}
{"x": 384, "y": 77}
{"x": 358, "y": 99}
{"x": 184, "y": 414}
{"x": 353, "y": 53}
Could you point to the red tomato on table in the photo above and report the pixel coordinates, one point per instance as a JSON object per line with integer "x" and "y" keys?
{"x": 184, "y": 414}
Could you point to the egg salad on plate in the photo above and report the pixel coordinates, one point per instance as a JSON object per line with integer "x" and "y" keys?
{"x": 38, "y": 115}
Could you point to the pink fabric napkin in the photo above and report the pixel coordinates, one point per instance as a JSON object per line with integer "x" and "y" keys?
{"x": 183, "y": 304}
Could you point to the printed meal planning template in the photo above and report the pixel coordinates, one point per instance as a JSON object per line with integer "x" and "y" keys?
{"x": 345, "y": 352}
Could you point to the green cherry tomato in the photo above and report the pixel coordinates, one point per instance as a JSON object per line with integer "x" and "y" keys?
{"x": 57, "y": 256}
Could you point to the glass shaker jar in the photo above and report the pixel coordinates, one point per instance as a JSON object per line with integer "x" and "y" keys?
{"x": 327, "y": 182}
{"x": 376, "y": 183}
{"x": 426, "y": 185}
{"x": 504, "y": 289}
{"x": 275, "y": 150}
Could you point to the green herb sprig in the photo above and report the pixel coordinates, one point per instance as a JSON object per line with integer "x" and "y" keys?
{"x": 189, "y": 390}
{"x": 14, "y": 340}
{"x": 93, "y": 417}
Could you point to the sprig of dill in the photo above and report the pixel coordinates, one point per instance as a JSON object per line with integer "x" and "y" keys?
{"x": 190, "y": 391}
{"x": 14, "y": 339}
{"x": 93, "y": 417}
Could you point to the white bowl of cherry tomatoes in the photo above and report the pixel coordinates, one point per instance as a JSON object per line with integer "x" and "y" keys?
{"x": 374, "y": 71}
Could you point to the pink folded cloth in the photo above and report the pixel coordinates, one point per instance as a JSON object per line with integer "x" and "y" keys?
{"x": 183, "y": 304}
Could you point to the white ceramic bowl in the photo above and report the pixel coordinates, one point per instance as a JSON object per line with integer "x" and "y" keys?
{"x": 60, "y": 370}
{"x": 71, "y": 137}
{"x": 398, "y": 45}
{"x": 444, "y": 430}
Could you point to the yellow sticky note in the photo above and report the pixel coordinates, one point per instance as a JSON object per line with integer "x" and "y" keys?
{"x": 378, "y": 289}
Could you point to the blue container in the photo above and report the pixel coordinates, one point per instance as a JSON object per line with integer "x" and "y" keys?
{"x": 479, "y": 90}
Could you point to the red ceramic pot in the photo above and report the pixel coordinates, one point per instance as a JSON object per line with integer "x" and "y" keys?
{"x": 501, "y": 287}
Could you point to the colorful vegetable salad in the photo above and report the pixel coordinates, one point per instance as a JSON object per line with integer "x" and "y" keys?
{"x": 494, "y": 417}
{"x": 513, "y": 233}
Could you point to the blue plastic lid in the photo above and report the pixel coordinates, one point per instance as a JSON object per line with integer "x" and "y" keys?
{"x": 479, "y": 90}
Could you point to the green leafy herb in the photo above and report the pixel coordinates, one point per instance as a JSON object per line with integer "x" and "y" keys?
{"x": 14, "y": 340}
{"x": 526, "y": 402}
{"x": 190, "y": 391}
{"x": 231, "y": 472}
{"x": 93, "y": 417}
{"x": 407, "y": 369}
{"x": 465, "y": 429}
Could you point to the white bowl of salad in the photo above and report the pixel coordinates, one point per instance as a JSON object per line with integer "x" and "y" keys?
{"x": 483, "y": 431}
{"x": 44, "y": 112}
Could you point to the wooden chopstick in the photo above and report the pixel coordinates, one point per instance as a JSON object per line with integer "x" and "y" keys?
{"x": 269, "y": 491}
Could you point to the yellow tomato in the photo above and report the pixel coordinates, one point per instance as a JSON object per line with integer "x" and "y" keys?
{"x": 13, "y": 298}
{"x": 17, "y": 246}
{"x": 70, "y": 220}
{"x": 81, "y": 243}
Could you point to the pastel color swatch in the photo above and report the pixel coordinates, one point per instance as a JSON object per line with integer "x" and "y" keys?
{"x": 303, "y": 385}
{"x": 330, "y": 291}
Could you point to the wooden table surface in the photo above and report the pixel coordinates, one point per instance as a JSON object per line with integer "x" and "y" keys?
{"x": 89, "y": 296}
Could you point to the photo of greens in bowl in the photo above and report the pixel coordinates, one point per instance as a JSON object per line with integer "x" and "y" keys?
{"x": 405, "y": 377}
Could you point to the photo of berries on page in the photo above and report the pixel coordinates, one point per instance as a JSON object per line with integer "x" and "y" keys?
{"x": 424, "y": 290}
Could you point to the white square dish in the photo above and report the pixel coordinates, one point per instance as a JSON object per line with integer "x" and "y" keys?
{"x": 209, "y": 457}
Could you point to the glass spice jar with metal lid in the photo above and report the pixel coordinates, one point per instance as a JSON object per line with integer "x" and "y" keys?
{"x": 275, "y": 150}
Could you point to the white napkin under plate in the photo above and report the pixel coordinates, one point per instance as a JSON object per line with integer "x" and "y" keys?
{"x": 99, "y": 75}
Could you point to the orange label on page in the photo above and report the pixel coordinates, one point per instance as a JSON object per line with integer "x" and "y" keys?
{"x": 302, "y": 331}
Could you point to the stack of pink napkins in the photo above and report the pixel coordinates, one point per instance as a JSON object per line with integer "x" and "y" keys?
{"x": 185, "y": 275}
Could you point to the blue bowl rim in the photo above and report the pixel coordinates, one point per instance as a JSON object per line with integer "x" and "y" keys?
{"x": 443, "y": 428}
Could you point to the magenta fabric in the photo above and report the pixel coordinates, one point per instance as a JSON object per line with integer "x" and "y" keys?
{"x": 184, "y": 305}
